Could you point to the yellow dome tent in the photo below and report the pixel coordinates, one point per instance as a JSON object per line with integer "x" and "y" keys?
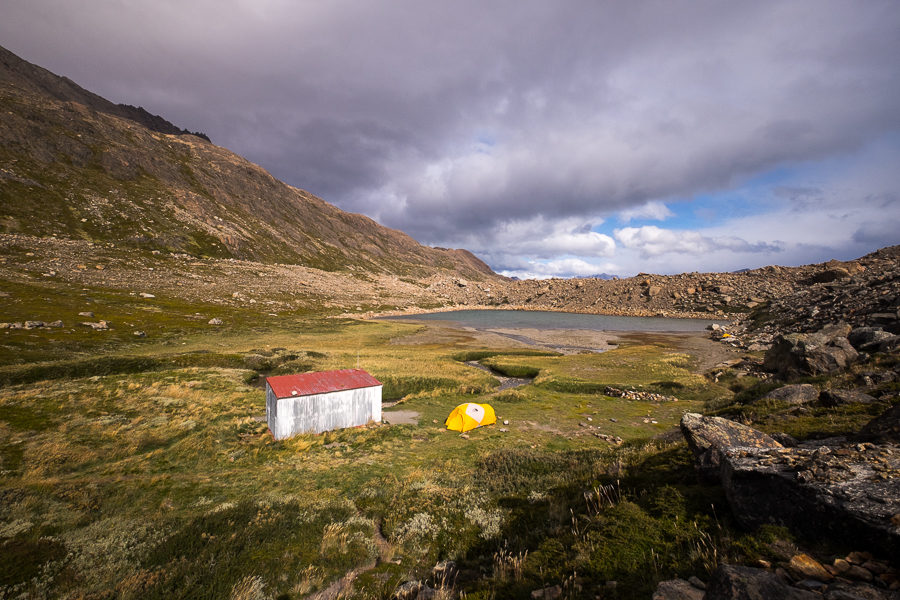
{"x": 469, "y": 416}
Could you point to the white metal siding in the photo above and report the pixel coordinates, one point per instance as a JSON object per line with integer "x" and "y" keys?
{"x": 322, "y": 412}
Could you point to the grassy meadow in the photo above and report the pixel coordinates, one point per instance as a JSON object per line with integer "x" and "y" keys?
{"x": 143, "y": 468}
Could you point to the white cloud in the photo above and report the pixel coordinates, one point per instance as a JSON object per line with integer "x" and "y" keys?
{"x": 513, "y": 127}
{"x": 540, "y": 238}
{"x": 654, "y": 209}
{"x": 651, "y": 241}
{"x": 563, "y": 267}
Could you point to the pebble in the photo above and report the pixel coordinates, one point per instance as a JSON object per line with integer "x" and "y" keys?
{"x": 857, "y": 572}
{"x": 808, "y": 568}
{"x": 811, "y": 585}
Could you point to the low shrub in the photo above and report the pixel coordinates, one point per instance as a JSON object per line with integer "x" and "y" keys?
{"x": 396, "y": 387}
{"x": 477, "y": 355}
{"x": 519, "y": 371}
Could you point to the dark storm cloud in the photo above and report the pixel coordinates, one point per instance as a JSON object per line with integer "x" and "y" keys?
{"x": 458, "y": 122}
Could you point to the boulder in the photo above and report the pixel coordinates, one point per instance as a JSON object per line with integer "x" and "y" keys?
{"x": 842, "y": 397}
{"x": 445, "y": 570}
{"x": 883, "y": 428}
{"x": 747, "y": 583}
{"x": 829, "y": 275}
{"x": 548, "y": 593}
{"x": 799, "y": 354}
{"x": 876, "y": 378}
{"x": 843, "y": 590}
{"x": 872, "y": 339}
{"x": 785, "y": 439}
{"x": 803, "y": 566}
{"x": 708, "y": 437}
{"x": 849, "y": 492}
{"x": 801, "y": 393}
{"x": 677, "y": 589}
{"x": 408, "y": 590}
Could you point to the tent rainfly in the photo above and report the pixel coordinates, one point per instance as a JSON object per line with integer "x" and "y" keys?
{"x": 469, "y": 416}
{"x": 317, "y": 402}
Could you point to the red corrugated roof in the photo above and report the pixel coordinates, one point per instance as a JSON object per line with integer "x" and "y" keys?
{"x": 305, "y": 384}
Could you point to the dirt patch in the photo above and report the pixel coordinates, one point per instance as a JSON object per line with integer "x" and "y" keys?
{"x": 450, "y": 335}
{"x": 566, "y": 341}
{"x": 706, "y": 353}
{"x": 400, "y": 417}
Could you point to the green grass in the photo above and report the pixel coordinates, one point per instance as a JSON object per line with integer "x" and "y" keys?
{"x": 152, "y": 455}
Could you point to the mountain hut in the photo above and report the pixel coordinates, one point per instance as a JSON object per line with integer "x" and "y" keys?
{"x": 317, "y": 402}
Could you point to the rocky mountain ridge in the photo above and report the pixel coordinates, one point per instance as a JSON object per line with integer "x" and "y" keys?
{"x": 73, "y": 165}
{"x": 759, "y": 303}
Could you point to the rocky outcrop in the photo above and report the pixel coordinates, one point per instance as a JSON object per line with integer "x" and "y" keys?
{"x": 873, "y": 339}
{"x": 840, "y": 491}
{"x": 708, "y": 437}
{"x": 869, "y": 298}
{"x": 798, "y": 354}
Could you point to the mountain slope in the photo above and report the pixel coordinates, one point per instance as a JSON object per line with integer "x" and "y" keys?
{"x": 75, "y": 165}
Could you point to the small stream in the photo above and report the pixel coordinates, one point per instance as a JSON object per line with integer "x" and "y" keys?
{"x": 506, "y": 383}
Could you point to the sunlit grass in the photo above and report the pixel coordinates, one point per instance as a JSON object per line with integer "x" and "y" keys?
{"x": 172, "y": 469}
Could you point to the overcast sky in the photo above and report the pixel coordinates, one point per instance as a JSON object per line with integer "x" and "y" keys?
{"x": 549, "y": 137}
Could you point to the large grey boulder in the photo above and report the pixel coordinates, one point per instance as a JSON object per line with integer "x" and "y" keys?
{"x": 842, "y": 397}
{"x": 747, "y": 583}
{"x": 849, "y": 492}
{"x": 801, "y": 393}
{"x": 708, "y": 437}
{"x": 799, "y": 354}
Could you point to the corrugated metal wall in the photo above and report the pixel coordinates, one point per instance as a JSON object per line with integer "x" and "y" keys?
{"x": 322, "y": 412}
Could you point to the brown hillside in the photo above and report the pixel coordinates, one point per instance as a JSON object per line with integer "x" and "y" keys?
{"x": 75, "y": 165}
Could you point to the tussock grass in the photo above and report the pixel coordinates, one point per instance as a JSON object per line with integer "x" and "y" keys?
{"x": 109, "y": 365}
{"x": 153, "y": 461}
